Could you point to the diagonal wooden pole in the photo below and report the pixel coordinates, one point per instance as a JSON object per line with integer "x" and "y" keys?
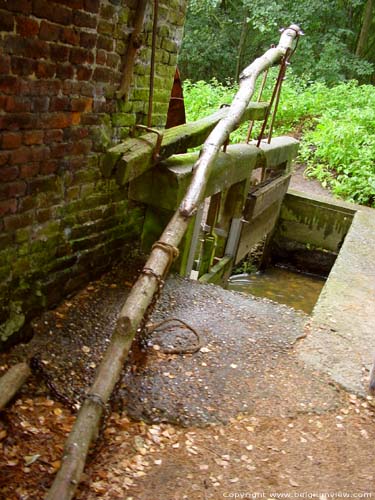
{"x": 86, "y": 427}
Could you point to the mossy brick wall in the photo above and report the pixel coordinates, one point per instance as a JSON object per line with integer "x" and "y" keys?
{"x": 61, "y": 223}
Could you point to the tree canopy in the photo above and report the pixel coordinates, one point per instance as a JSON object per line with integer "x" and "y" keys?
{"x": 223, "y": 36}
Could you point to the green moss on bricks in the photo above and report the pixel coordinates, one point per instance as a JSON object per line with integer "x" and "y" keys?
{"x": 15, "y": 321}
{"x": 123, "y": 119}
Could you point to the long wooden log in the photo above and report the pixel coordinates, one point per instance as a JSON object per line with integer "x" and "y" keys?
{"x": 87, "y": 424}
{"x": 12, "y": 381}
{"x": 133, "y": 157}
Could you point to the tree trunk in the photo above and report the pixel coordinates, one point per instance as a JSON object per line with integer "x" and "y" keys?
{"x": 12, "y": 381}
{"x": 86, "y": 426}
{"x": 241, "y": 47}
{"x": 365, "y": 29}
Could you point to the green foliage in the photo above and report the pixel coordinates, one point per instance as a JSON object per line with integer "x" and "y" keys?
{"x": 337, "y": 126}
{"x": 222, "y": 34}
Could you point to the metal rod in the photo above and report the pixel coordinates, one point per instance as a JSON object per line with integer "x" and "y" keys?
{"x": 277, "y": 100}
{"x": 152, "y": 67}
{"x": 270, "y": 106}
{"x": 263, "y": 84}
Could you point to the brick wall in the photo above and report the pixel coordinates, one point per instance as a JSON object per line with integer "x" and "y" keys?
{"x": 61, "y": 223}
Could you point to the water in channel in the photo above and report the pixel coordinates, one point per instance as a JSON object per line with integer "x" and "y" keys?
{"x": 297, "y": 290}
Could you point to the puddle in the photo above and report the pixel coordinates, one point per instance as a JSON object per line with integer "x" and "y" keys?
{"x": 297, "y": 290}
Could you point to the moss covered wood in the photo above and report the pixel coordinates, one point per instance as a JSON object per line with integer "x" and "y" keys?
{"x": 135, "y": 156}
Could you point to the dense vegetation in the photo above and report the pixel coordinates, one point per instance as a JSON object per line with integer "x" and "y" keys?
{"x": 224, "y": 36}
{"x": 337, "y": 126}
{"x": 327, "y": 99}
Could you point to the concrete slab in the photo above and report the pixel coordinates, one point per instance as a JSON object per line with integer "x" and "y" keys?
{"x": 340, "y": 338}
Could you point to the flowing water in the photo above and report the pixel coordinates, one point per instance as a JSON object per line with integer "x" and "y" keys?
{"x": 297, "y": 290}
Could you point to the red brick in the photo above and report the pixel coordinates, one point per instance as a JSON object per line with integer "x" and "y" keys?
{"x": 4, "y": 64}
{"x": 81, "y": 148}
{"x": 26, "y": 47}
{"x": 11, "y": 140}
{"x": 107, "y": 12}
{"x": 13, "y": 222}
{"x": 103, "y": 75}
{"x": 49, "y": 31}
{"x": 33, "y": 137}
{"x": 88, "y": 40}
{"x": 74, "y": 4}
{"x": 23, "y": 66}
{"x": 4, "y": 157}
{"x": 12, "y": 189}
{"x": 44, "y": 88}
{"x": 84, "y": 73}
{"x": 70, "y": 36}
{"x": 27, "y": 26}
{"x": 6, "y": 21}
{"x": 105, "y": 27}
{"x": 8, "y": 207}
{"x": 44, "y": 215}
{"x": 48, "y": 167}
{"x": 76, "y": 118}
{"x": 29, "y": 170}
{"x": 81, "y": 56}
{"x": 20, "y": 155}
{"x": 92, "y": 5}
{"x": 60, "y": 104}
{"x": 18, "y": 104}
{"x": 101, "y": 57}
{"x": 8, "y": 174}
{"x": 39, "y": 153}
{"x": 45, "y": 69}
{"x": 59, "y": 53}
{"x": 23, "y": 6}
{"x": 52, "y": 11}
{"x": 9, "y": 84}
{"x": 27, "y": 203}
{"x": 56, "y": 120}
{"x": 82, "y": 104}
{"x": 84, "y": 20}
{"x": 113, "y": 60}
{"x": 16, "y": 121}
{"x": 105, "y": 43}
{"x": 61, "y": 150}
{"x": 64, "y": 71}
{"x": 75, "y": 133}
{"x": 53, "y": 136}
{"x": 41, "y": 184}
{"x": 40, "y": 104}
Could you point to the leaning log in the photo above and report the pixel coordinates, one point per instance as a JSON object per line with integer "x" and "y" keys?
{"x": 86, "y": 427}
{"x": 12, "y": 381}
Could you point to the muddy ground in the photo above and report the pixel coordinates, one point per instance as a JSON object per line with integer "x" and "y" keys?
{"x": 241, "y": 416}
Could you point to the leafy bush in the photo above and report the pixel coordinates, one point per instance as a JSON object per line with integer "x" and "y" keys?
{"x": 337, "y": 126}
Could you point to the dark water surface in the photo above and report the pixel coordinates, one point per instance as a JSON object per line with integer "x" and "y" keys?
{"x": 297, "y": 290}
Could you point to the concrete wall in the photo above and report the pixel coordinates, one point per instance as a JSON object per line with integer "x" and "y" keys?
{"x": 311, "y": 231}
{"x": 61, "y": 222}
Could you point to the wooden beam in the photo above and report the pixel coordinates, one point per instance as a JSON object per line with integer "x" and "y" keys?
{"x": 12, "y": 381}
{"x": 133, "y": 157}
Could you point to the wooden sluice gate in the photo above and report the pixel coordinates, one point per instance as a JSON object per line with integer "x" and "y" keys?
{"x": 239, "y": 213}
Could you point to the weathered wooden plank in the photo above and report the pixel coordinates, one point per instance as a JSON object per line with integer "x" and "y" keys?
{"x": 165, "y": 185}
{"x": 259, "y": 227}
{"x": 134, "y": 156}
{"x": 263, "y": 197}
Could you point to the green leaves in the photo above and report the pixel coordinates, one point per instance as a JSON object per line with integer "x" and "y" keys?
{"x": 337, "y": 126}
